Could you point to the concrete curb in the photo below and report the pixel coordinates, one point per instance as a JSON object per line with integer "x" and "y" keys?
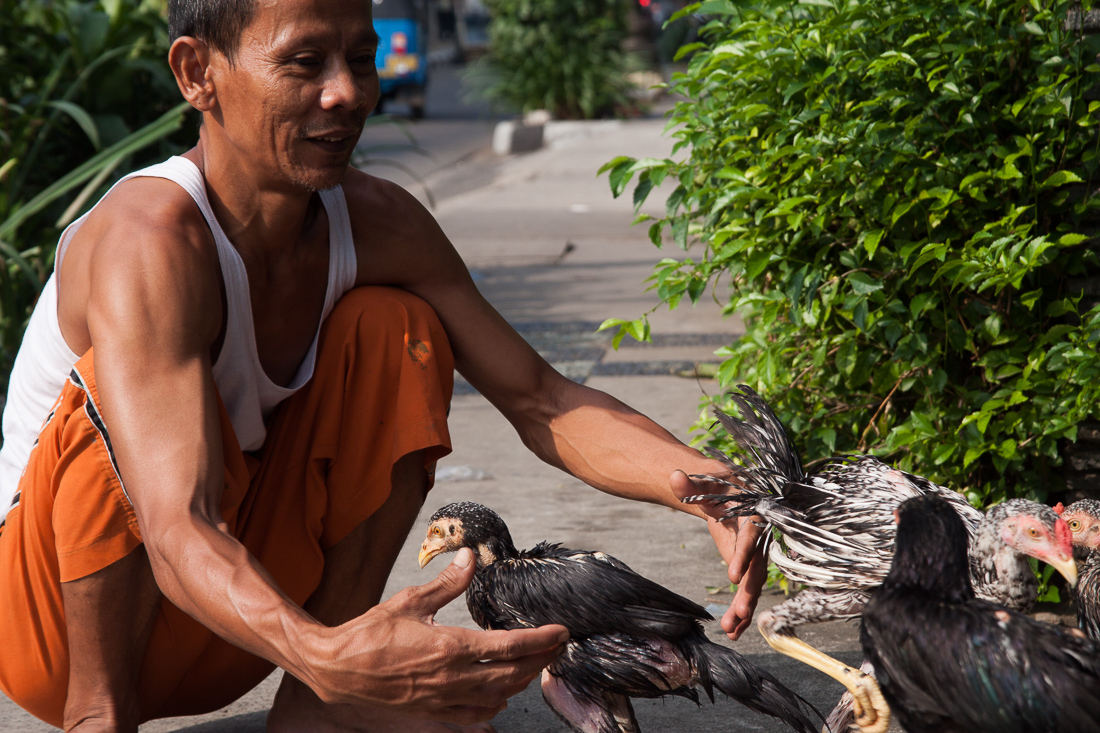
{"x": 512, "y": 137}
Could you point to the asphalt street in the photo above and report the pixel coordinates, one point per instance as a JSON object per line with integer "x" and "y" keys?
{"x": 556, "y": 254}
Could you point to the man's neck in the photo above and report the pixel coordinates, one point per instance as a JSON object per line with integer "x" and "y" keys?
{"x": 259, "y": 220}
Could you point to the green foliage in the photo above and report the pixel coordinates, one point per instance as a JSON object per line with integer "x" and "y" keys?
{"x": 564, "y": 56}
{"x": 896, "y": 195}
{"x": 1048, "y": 591}
{"x": 85, "y": 96}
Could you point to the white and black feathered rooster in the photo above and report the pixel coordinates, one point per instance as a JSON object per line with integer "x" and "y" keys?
{"x": 837, "y": 538}
{"x": 1083, "y": 519}
{"x": 629, "y": 637}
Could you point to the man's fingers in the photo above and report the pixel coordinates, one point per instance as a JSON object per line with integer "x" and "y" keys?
{"x": 744, "y": 549}
{"x": 510, "y": 645}
{"x": 508, "y": 661}
{"x": 496, "y": 681}
{"x": 684, "y": 486}
{"x": 518, "y": 673}
{"x": 739, "y": 615}
{"x": 471, "y": 714}
{"x": 447, "y": 586}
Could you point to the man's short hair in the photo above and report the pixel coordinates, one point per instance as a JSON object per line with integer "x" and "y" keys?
{"x": 217, "y": 23}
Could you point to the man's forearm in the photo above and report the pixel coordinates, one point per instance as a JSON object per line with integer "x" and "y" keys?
{"x": 210, "y": 576}
{"x": 610, "y": 446}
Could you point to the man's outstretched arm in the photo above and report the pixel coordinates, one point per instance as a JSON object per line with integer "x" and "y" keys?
{"x": 581, "y": 430}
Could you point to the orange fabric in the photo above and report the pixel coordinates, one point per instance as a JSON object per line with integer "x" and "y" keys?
{"x": 381, "y": 389}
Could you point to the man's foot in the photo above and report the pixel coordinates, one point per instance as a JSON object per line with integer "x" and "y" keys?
{"x": 297, "y": 710}
{"x": 359, "y": 719}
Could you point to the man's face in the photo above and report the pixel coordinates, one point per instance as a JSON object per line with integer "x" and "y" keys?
{"x": 302, "y": 86}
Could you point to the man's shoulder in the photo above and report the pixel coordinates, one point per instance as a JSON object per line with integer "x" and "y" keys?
{"x": 146, "y": 230}
{"x": 130, "y": 258}
{"x": 150, "y": 207}
{"x": 383, "y": 205}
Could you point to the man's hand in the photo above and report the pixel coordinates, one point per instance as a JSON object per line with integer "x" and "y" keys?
{"x": 395, "y": 655}
{"x": 737, "y": 542}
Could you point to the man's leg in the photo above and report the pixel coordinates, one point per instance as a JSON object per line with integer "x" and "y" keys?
{"x": 80, "y": 597}
{"x": 109, "y": 618}
{"x": 356, "y": 570}
{"x": 376, "y": 413}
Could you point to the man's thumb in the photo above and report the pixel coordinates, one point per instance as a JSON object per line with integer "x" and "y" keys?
{"x": 449, "y": 584}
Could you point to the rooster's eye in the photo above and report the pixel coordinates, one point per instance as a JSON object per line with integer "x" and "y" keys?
{"x": 1033, "y": 533}
{"x": 437, "y": 531}
{"x": 1075, "y": 525}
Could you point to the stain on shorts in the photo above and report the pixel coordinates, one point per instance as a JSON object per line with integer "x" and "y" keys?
{"x": 419, "y": 353}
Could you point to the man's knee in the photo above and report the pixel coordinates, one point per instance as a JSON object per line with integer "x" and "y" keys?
{"x": 380, "y": 312}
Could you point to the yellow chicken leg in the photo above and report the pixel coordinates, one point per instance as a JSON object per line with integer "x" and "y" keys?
{"x": 872, "y": 712}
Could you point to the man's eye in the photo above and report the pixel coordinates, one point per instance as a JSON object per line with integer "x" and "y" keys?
{"x": 305, "y": 62}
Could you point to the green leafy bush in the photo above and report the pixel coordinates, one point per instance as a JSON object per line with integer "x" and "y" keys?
{"x": 85, "y": 96}
{"x": 897, "y": 194}
{"x": 564, "y": 56}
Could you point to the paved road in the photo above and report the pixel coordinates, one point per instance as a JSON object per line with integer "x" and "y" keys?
{"x": 556, "y": 255}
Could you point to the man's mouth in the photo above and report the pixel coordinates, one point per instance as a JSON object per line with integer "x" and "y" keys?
{"x": 337, "y": 142}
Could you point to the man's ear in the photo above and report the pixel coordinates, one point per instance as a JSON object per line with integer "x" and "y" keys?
{"x": 190, "y": 61}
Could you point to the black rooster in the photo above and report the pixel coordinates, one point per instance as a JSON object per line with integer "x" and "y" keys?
{"x": 948, "y": 662}
{"x": 629, "y": 636}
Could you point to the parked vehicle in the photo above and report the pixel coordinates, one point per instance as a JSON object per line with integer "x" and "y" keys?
{"x": 402, "y": 52}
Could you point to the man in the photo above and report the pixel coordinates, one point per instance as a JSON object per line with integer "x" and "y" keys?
{"x": 222, "y": 484}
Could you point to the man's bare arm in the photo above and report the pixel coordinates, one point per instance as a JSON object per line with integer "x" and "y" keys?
{"x": 581, "y": 430}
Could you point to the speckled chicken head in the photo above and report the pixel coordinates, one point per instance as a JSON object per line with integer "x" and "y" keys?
{"x": 466, "y": 524}
{"x": 1083, "y": 519}
{"x": 1036, "y": 530}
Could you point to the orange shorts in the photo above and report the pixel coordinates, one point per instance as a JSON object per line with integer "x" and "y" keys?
{"x": 381, "y": 389}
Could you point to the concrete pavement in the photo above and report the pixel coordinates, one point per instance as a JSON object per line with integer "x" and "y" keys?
{"x": 556, "y": 254}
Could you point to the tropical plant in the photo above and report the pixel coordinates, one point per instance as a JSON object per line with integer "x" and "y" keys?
{"x": 898, "y": 195}
{"x": 563, "y": 56}
{"x": 85, "y": 96}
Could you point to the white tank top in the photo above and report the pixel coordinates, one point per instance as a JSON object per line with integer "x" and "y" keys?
{"x": 45, "y": 359}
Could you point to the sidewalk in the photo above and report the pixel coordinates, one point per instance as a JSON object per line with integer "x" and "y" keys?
{"x": 556, "y": 254}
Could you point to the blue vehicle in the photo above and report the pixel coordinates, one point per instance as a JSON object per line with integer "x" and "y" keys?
{"x": 402, "y": 52}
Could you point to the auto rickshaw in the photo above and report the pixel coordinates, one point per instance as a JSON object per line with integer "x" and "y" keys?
{"x": 402, "y": 52}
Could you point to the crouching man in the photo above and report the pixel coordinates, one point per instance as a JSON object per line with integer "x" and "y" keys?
{"x": 226, "y": 412}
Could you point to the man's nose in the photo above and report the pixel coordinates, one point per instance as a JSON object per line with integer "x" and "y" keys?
{"x": 342, "y": 88}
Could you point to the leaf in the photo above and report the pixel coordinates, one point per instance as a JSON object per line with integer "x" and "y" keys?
{"x": 614, "y": 163}
{"x": 81, "y": 118}
{"x": 870, "y": 241}
{"x": 972, "y": 454}
{"x": 618, "y": 178}
{"x": 716, "y": 7}
{"x": 920, "y": 302}
{"x": 942, "y": 454}
{"x": 1068, "y": 240}
{"x": 1060, "y": 178}
{"x": 757, "y": 261}
{"x": 900, "y": 210}
{"x": 641, "y": 192}
{"x": 930, "y": 252}
{"x": 864, "y": 284}
{"x": 680, "y": 231}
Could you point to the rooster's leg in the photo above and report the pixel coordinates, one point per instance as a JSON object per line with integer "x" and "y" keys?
{"x": 599, "y": 712}
{"x": 778, "y": 624}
